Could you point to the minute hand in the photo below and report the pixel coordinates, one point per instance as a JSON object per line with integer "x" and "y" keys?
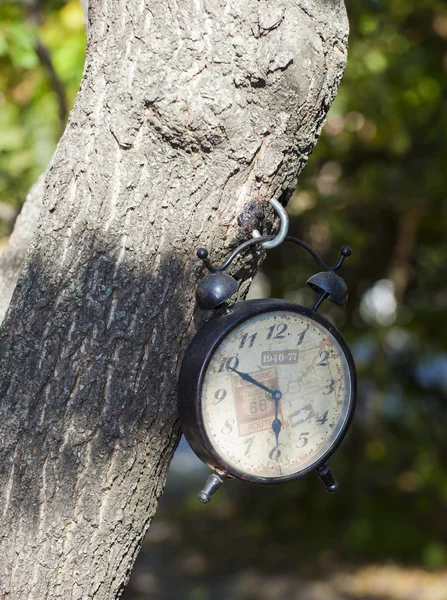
{"x": 250, "y": 379}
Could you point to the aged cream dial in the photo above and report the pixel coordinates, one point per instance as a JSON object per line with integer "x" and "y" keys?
{"x": 276, "y": 395}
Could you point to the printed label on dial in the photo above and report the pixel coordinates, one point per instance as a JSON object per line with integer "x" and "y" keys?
{"x": 254, "y": 407}
{"x": 302, "y": 415}
{"x": 282, "y": 357}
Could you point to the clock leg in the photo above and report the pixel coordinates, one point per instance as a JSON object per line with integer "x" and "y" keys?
{"x": 326, "y": 476}
{"x": 213, "y": 483}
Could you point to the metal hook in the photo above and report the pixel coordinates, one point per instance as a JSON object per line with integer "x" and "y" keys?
{"x": 284, "y": 227}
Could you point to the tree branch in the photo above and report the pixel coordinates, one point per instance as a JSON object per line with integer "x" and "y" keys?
{"x": 43, "y": 54}
{"x": 56, "y": 84}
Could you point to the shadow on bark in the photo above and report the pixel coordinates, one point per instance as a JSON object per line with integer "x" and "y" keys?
{"x": 88, "y": 369}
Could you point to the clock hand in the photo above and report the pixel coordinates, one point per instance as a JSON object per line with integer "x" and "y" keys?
{"x": 276, "y": 425}
{"x": 250, "y": 379}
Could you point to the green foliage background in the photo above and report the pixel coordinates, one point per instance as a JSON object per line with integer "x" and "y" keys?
{"x": 30, "y": 125}
{"x": 376, "y": 181}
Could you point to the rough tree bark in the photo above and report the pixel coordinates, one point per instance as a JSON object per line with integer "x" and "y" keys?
{"x": 190, "y": 116}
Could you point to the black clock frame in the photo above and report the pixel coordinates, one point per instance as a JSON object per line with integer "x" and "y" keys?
{"x": 194, "y": 367}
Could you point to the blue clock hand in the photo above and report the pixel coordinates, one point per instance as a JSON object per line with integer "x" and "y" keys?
{"x": 250, "y": 379}
{"x": 275, "y": 394}
{"x": 276, "y": 425}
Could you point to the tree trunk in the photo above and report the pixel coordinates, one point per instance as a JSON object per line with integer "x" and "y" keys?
{"x": 190, "y": 117}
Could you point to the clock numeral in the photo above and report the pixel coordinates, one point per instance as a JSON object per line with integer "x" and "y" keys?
{"x": 323, "y": 359}
{"x": 248, "y": 443}
{"x": 330, "y": 385}
{"x": 248, "y": 337}
{"x": 220, "y": 395}
{"x": 303, "y": 440}
{"x": 281, "y": 329}
{"x": 275, "y": 453}
{"x": 322, "y": 420}
{"x": 228, "y": 426}
{"x": 302, "y": 334}
{"x": 228, "y": 363}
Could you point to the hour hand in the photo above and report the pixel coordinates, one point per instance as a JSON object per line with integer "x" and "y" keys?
{"x": 276, "y": 426}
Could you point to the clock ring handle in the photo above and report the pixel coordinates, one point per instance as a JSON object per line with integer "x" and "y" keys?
{"x": 345, "y": 251}
{"x": 202, "y": 253}
{"x": 283, "y": 228}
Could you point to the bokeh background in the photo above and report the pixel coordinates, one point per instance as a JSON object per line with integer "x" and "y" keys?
{"x": 376, "y": 181}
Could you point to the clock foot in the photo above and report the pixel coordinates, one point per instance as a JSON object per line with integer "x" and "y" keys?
{"x": 326, "y": 476}
{"x": 213, "y": 483}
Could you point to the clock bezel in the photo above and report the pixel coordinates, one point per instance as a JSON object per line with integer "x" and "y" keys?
{"x": 193, "y": 371}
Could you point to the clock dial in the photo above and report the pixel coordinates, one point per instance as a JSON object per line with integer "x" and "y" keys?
{"x": 276, "y": 395}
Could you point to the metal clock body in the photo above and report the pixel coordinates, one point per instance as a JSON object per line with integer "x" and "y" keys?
{"x": 267, "y": 391}
{"x": 267, "y": 387}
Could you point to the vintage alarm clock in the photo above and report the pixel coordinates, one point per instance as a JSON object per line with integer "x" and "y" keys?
{"x": 267, "y": 387}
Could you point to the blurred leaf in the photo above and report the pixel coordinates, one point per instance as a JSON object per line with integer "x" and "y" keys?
{"x": 21, "y": 43}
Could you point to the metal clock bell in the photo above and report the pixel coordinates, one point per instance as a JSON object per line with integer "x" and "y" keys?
{"x": 267, "y": 387}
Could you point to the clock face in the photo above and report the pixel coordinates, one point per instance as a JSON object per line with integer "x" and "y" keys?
{"x": 276, "y": 395}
